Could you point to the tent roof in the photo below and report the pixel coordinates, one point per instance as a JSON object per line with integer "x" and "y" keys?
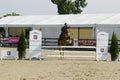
{"x": 80, "y": 20}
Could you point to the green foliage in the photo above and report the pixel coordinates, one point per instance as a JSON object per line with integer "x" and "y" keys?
{"x": 69, "y": 6}
{"x": 22, "y": 42}
{"x": 2, "y": 30}
{"x": 114, "y": 49}
{"x": 11, "y": 14}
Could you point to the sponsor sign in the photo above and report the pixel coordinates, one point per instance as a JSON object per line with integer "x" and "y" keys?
{"x": 8, "y": 54}
{"x": 13, "y": 39}
{"x": 35, "y": 37}
{"x": 86, "y": 42}
{"x": 102, "y": 46}
{"x": 35, "y": 44}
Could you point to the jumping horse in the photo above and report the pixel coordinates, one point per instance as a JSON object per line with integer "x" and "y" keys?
{"x": 64, "y": 38}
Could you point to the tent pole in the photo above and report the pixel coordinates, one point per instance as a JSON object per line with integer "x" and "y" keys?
{"x": 95, "y": 28}
{"x": 6, "y": 31}
{"x": 94, "y": 32}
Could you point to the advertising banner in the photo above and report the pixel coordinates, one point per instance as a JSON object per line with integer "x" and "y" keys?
{"x": 13, "y": 39}
{"x": 35, "y": 44}
{"x": 87, "y": 42}
{"x": 102, "y": 46}
{"x": 8, "y": 54}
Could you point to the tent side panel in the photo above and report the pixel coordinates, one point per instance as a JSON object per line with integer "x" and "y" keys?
{"x": 86, "y": 33}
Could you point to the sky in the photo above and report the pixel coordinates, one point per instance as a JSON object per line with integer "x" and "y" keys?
{"x": 46, "y": 7}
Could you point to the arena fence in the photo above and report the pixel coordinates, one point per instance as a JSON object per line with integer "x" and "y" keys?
{"x": 5, "y": 42}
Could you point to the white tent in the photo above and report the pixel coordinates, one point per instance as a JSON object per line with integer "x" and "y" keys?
{"x": 104, "y": 22}
{"x": 58, "y": 20}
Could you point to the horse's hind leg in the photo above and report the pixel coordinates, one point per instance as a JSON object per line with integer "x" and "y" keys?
{"x": 63, "y": 52}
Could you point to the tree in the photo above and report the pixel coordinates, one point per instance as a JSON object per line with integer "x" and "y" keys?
{"x": 2, "y": 30}
{"x": 114, "y": 49}
{"x": 69, "y": 6}
{"x": 21, "y": 47}
{"x": 11, "y": 14}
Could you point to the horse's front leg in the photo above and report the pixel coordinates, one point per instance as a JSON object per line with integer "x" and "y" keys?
{"x": 60, "y": 50}
{"x": 63, "y": 52}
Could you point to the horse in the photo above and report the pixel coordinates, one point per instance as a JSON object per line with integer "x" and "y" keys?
{"x": 64, "y": 38}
